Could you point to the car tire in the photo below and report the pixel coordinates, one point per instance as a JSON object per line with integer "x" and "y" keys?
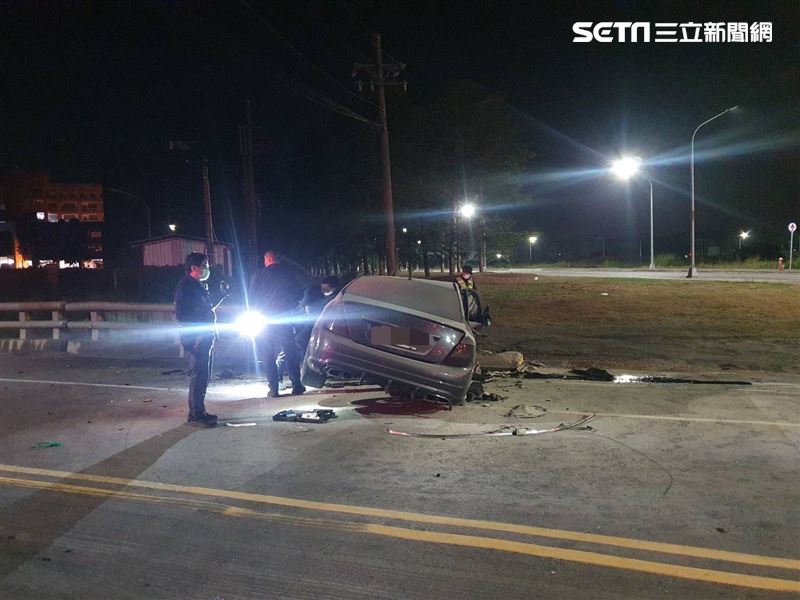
{"x": 311, "y": 378}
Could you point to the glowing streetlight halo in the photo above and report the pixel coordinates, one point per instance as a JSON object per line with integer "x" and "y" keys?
{"x": 467, "y": 210}
{"x": 626, "y": 167}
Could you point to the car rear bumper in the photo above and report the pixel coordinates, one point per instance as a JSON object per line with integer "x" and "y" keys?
{"x": 328, "y": 351}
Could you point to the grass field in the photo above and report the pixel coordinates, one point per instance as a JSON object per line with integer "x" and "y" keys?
{"x": 645, "y": 324}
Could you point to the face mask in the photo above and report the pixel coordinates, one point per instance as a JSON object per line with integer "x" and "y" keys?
{"x": 205, "y": 274}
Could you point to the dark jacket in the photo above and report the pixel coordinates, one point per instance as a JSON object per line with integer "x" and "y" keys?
{"x": 275, "y": 290}
{"x": 194, "y": 308}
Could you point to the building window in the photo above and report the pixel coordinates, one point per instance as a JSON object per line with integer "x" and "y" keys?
{"x": 40, "y": 216}
{"x": 52, "y": 217}
{"x": 95, "y": 234}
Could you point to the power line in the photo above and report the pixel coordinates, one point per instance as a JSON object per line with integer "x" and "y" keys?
{"x": 301, "y": 55}
{"x": 366, "y": 27}
{"x": 296, "y": 87}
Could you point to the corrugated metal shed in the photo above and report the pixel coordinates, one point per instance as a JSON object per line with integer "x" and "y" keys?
{"x": 170, "y": 251}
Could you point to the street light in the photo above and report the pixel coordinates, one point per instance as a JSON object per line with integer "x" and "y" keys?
{"x": 173, "y": 227}
{"x": 146, "y": 207}
{"x": 743, "y": 236}
{"x": 625, "y": 168}
{"x": 531, "y": 241}
{"x": 693, "y": 267}
{"x": 467, "y": 210}
{"x": 405, "y": 230}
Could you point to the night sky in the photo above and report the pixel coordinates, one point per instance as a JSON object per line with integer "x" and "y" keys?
{"x": 94, "y": 91}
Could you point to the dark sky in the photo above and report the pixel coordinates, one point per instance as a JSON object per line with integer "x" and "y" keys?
{"x": 95, "y": 90}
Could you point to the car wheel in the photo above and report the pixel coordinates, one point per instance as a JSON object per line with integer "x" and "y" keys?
{"x": 311, "y": 378}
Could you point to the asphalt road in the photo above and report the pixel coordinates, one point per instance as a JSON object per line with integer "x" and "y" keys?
{"x": 677, "y": 491}
{"x": 670, "y": 274}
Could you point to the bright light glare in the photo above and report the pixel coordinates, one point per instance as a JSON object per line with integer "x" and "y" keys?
{"x": 172, "y": 227}
{"x": 250, "y": 323}
{"x": 499, "y": 256}
{"x": 532, "y": 239}
{"x": 744, "y": 235}
{"x": 626, "y": 167}
{"x": 468, "y": 210}
{"x": 419, "y": 242}
{"x": 405, "y": 230}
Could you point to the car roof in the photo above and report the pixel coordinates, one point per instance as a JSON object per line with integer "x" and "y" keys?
{"x": 433, "y": 297}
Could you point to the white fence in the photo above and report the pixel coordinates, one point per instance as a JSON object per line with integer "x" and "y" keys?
{"x": 101, "y": 316}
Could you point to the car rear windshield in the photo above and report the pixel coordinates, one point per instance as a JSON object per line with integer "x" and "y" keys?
{"x": 439, "y": 300}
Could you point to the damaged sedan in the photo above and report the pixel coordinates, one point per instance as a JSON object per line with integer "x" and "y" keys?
{"x": 409, "y": 336}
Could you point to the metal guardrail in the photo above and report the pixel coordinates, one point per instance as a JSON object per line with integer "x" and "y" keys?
{"x": 97, "y": 321}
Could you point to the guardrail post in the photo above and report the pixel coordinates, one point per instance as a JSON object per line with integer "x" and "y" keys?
{"x": 94, "y": 317}
{"x": 56, "y": 315}
{"x": 23, "y": 333}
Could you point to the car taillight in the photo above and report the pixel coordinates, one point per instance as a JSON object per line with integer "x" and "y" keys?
{"x": 463, "y": 355}
{"x": 337, "y": 321}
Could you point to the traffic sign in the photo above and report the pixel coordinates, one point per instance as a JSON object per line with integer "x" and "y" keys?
{"x": 792, "y": 227}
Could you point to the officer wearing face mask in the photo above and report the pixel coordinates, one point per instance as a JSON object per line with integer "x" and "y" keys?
{"x": 194, "y": 310}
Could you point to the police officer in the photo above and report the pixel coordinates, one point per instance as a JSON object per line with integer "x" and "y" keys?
{"x": 276, "y": 291}
{"x": 195, "y": 312}
{"x": 473, "y": 309}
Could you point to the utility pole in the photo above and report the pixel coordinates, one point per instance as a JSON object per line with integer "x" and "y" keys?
{"x": 378, "y": 73}
{"x": 207, "y": 206}
{"x": 251, "y": 235}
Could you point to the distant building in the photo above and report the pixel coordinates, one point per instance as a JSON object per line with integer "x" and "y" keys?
{"x": 38, "y": 207}
{"x": 171, "y": 251}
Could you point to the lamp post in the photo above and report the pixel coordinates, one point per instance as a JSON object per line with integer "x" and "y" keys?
{"x": 531, "y": 241}
{"x": 173, "y": 227}
{"x": 693, "y": 267}
{"x": 628, "y": 167}
{"x": 146, "y": 208}
{"x": 743, "y": 236}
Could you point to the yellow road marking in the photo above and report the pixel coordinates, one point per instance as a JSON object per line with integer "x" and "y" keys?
{"x": 577, "y": 536}
{"x": 471, "y": 541}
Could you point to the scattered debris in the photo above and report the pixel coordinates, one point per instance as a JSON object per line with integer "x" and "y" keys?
{"x": 240, "y": 424}
{"x": 502, "y": 361}
{"x": 320, "y": 415}
{"x": 47, "y": 445}
{"x": 593, "y": 374}
{"x": 721, "y": 530}
{"x": 147, "y": 400}
{"x": 476, "y": 393}
{"x": 505, "y": 431}
{"x": 604, "y": 293}
{"x": 521, "y": 411}
{"x": 297, "y": 429}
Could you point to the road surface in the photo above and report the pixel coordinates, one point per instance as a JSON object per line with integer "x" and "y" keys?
{"x": 679, "y": 491}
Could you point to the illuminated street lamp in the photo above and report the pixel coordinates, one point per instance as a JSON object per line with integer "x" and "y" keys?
{"x": 405, "y": 230}
{"x": 743, "y": 236}
{"x": 467, "y": 210}
{"x": 625, "y": 168}
{"x": 499, "y": 255}
{"x": 173, "y": 227}
{"x": 531, "y": 241}
{"x": 693, "y": 267}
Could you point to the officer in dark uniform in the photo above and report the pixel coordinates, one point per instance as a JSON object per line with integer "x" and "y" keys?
{"x": 194, "y": 310}
{"x": 276, "y": 291}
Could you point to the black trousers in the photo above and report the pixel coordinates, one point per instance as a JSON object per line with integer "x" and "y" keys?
{"x": 277, "y": 338}
{"x": 201, "y": 358}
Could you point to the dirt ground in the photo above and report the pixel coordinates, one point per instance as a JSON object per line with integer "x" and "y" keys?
{"x": 644, "y": 325}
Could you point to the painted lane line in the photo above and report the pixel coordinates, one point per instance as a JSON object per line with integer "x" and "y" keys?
{"x": 592, "y": 538}
{"x": 670, "y": 418}
{"x": 100, "y": 385}
{"x": 433, "y": 537}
